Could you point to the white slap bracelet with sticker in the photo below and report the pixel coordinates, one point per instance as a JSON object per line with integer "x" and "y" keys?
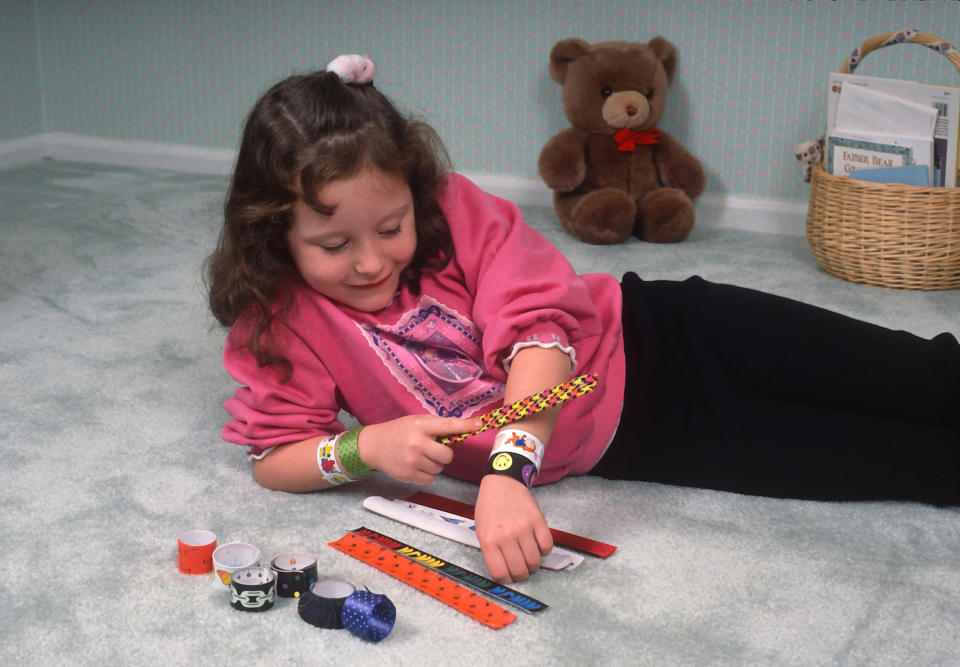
{"x": 454, "y": 527}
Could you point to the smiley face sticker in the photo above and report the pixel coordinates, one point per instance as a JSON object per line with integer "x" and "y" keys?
{"x": 501, "y": 462}
{"x": 513, "y": 465}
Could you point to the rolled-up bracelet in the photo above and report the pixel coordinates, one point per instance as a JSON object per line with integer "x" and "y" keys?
{"x": 322, "y": 604}
{"x": 339, "y": 459}
{"x": 518, "y": 441}
{"x": 296, "y": 572}
{"x": 327, "y": 461}
{"x": 253, "y": 589}
{"x": 349, "y": 456}
{"x": 333, "y": 604}
{"x": 514, "y": 465}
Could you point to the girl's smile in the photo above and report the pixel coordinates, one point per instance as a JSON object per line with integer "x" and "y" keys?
{"x": 356, "y": 254}
{"x": 371, "y": 286}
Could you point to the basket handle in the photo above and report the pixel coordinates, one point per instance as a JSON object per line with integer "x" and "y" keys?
{"x": 900, "y": 37}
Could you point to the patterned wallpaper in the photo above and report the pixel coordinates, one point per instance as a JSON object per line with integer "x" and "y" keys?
{"x": 750, "y": 83}
{"x": 21, "y": 111}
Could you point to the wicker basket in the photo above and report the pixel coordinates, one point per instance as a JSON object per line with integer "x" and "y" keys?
{"x": 886, "y": 235}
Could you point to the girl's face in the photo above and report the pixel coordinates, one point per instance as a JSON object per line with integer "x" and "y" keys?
{"x": 356, "y": 255}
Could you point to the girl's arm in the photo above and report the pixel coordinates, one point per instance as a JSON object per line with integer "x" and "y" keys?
{"x": 292, "y": 468}
{"x": 404, "y": 448}
{"x": 512, "y": 530}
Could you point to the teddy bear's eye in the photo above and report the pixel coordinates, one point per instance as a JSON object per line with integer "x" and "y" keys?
{"x": 607, "y": 91}
{"x": 648, "y": 94}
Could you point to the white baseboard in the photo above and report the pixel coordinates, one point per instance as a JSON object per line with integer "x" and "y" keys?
{"x": 117, "y": 152}
{"x": 15, "y": 152}
{"x": 772, "y": 216}
{"x": 754, "y": 214}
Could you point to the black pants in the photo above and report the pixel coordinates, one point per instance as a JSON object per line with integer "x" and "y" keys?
{"x": 738, "y": 390}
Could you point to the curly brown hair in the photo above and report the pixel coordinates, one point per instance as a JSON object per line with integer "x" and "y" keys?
{"x": 304, "y": 132}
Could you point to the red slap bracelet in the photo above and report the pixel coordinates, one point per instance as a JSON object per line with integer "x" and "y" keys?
{"x": 195, "y": 551}
{"x": 563, "y": 538}
{"x": 424, "y": 579}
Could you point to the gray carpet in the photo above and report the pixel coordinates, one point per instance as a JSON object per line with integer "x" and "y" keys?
{"x": 111, "y": 393}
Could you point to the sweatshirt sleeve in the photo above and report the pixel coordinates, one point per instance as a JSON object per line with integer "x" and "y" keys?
{"x": 525, "y": 290}
{"x": 264, "y": 410}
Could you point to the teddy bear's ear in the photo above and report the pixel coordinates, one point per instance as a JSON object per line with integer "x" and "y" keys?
{"x": 563, "y": 53}
{"x": 666, "y": 54}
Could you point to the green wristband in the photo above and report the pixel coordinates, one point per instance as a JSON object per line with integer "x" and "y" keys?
{"x": 349, "y": 456}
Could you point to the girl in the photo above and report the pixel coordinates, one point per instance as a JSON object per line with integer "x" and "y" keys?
{"x": 355, "y": 274}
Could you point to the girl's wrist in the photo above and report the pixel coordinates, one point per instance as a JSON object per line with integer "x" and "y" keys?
{"x": 366, "y": 445}
{"x": 348, "y": 452}
{"x": 517, "y": 454}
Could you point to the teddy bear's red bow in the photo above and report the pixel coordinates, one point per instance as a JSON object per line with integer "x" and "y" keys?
{"x": 628, "y": 140}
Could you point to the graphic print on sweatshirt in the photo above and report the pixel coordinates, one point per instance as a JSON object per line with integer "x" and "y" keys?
{"x": 433, "y": 351}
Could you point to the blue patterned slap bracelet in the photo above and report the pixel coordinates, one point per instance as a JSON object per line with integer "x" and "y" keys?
{"x": 335, "y": 604}
{"x": 368, "y": 615}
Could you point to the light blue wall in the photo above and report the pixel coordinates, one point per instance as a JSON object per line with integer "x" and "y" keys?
{"x": 750, "y": 84}
{"x": 21, "y": 112}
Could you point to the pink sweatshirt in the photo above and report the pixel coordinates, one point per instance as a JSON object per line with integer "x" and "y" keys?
{"x": 444, "y": 351}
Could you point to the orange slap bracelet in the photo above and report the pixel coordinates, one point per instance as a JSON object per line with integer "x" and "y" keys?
{"x": 426, "y": 580}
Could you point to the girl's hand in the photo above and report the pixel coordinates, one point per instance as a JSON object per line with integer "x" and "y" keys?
{"x": 512, "y": 530}
{"x": 407, "y": 449}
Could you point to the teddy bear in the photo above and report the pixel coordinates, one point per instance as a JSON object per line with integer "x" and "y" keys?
{"x": 613, "y": 172}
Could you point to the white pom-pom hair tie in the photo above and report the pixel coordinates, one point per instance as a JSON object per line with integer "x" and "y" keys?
{"x": 352, "y": 68}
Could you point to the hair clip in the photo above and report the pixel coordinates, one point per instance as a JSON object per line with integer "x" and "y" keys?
{"x": 352, "y": 68}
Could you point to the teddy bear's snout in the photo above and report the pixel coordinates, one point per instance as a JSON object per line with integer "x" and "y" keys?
{"x": 626, "y": 108}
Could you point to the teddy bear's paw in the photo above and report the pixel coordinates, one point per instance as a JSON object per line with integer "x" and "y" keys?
{"x": 666, "y": 216}
{"x": 602, "y": 217}
{"x": 561, "y": 165}
{"x": 565, "y": 181}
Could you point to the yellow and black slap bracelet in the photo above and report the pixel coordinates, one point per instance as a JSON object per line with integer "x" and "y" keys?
{"x": 548, "y": 398}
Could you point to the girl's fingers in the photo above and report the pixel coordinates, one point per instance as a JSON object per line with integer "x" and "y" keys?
{"x": 516, "y": 562}
{"x": 457, "y": 425}
{"x": 437, "y": 454}
{"x": 431, "y": 467}
{"x": 423, "y": 479}
{"x": 531, "y": 553}
{"x": 497, "y": 566}
{"x": 544, "y": 538}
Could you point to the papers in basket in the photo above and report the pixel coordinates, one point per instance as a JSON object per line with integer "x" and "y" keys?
{"x": 874, "y": 130}
{"x": 944, "y": 99}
